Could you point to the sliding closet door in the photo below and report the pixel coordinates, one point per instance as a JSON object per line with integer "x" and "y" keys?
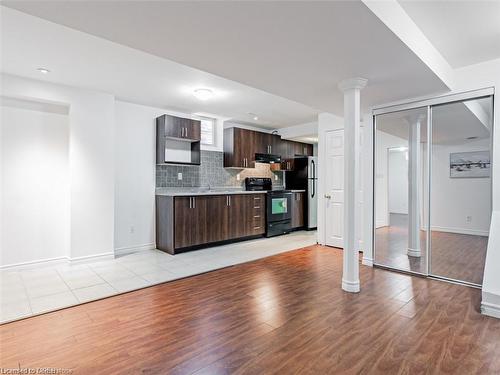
{"x": 401, "y": 186}
{"x": 460, "y": 189}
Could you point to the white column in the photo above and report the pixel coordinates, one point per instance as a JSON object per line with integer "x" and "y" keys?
{"x": 351, "y": 88}
{"x": 414, "y": 187}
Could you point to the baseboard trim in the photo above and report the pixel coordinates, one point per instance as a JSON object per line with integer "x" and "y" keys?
{"x": 472, "y": 232}
{"x": 367, "y": 262}
{"x": 490, "y": 309}
{"x": 90, "y": 258}
{"x": 134, "y": 249}
{"x": 35, "y": 263}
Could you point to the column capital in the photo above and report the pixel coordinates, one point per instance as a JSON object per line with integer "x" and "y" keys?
{"x": 414, "y": 118}
{"x": 352, "y": 84}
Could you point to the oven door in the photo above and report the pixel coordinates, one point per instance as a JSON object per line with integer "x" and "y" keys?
{"x": 279, "y": 206}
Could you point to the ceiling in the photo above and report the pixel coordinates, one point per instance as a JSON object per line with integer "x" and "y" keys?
{"x": 452, "y": 123}
{"x": 464, "y": 32}
{"x": 297, "y": 50}
{"x": 82, "y": 60}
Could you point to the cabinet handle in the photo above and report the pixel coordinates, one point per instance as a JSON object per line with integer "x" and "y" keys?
{"x": 229, "y": 199}
{"x": 194, "y": 202}
{"x": 256, "y": 228}
{"x": 182, "y": 132}
{"x": 257, "y": 199}
{"x": 256, "y": 216}
{"x": 190, "y": 202}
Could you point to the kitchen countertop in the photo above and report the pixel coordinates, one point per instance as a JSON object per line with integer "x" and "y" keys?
{"x": 183, "y": 192}
{"x": 190, "y": 192}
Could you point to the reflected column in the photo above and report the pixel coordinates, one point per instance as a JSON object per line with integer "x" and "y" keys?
{"x": 414, "y": 185}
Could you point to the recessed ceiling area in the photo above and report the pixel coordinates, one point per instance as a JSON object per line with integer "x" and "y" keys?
{"x": 296, "y": 50}
{"x": 464, "y": 32}
{"x": 81, "y": 60}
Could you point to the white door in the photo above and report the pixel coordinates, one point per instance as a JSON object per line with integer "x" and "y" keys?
{"x": 334, "y": 188}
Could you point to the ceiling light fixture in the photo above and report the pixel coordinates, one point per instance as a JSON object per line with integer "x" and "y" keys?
{"x": 203, "y": 94}
{"x": 254, "y": 116}
{"x": 43, "y": 70}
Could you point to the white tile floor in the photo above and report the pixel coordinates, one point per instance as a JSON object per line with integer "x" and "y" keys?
{"x": 30, "y": 292}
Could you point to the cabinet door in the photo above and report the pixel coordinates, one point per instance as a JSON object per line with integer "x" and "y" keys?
{"x": 244, "y": 147}
{"x": 308, "y": 149}
{"x": 200, "y": 221}
{"x": 192, "y": 129}
{"x": 298, "y": 210}
{"x": 183, "y": 218}
{"x": 218, "y": 218}
{"x": 261, "y": 143}
{"x": 237, "y": 216}
{"x": 191, "y": 221}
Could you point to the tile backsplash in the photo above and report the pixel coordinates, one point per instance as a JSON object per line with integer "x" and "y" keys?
{"x": 211, "y": 173}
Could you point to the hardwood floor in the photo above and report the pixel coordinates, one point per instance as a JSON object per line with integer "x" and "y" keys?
{"x": 454, "y": 256}
{"x": 283, "y": 314}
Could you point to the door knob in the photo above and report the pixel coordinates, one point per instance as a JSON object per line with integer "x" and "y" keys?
{"x": 327, "y": 196}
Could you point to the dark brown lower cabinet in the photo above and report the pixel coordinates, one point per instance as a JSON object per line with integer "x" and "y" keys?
{"x": 298, "y": 210}
{"x": 184, "y": 222}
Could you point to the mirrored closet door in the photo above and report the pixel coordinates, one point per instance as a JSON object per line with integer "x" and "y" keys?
{"x": 432, "y": 187}
{"x": 400, "y": 190}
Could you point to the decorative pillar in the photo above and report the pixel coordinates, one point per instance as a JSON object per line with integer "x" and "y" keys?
{"x": 351, "y": 89}
{"x": 414, "y": 185}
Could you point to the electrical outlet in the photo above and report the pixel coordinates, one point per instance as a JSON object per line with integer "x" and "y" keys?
{"x": 179, "y": 176}
{"x": 238, "y": 177}
{"x": 468, "y": 219}
{"x": 276, "y": 177}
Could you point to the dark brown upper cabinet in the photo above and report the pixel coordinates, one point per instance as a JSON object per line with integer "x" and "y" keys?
{"x": 241, "y": 145}
{"x": 239, "y": 148}
{"x": 177, "y": 140}
{"x": 179, "y": 128}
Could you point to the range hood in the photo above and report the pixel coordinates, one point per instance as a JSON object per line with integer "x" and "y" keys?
{"x": 267, "y": 158}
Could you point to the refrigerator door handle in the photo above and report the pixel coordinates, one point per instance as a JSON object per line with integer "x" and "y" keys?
{"x": 313, "y": 188}
{"x": 313, "y": 167}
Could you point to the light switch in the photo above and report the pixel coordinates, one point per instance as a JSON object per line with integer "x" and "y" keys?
{"x": 238, "y": 177}
{"x": 179, "y": 176}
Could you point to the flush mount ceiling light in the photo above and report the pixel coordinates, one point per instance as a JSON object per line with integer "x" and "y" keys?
{"x": 203, "y": 94}
{"x": 253, "y": 115}
{"x": 43, "y": 70}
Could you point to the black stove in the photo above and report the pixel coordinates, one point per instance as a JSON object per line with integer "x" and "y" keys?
{"x": 278, "y": 205}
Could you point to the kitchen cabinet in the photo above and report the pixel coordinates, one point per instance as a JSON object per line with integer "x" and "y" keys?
{"x": 188, "y": 222}
{"x": 298, "y": 209}
{"x": 177, "y": 140}
{"x": 239, "y": 148}
{"x": 191, "y": 221}
{"x": 241, "y": 145}
{"x": 180, "y": 128}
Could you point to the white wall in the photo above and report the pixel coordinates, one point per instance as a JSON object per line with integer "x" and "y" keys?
{"x": 469, "y": 78}
{"x": 35, "y": 205}
{"x": 398, "y": 181}
{"x": 384, "y": 142}
{"x": 91, "y": 161}
{"x": 135, "y": 176}
{"x": 453, "y": 199}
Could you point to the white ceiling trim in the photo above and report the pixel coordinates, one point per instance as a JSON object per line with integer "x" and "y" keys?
{"x": 399, "y": 22}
